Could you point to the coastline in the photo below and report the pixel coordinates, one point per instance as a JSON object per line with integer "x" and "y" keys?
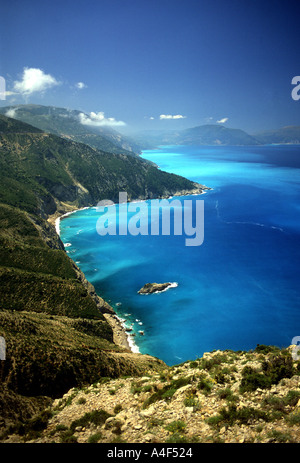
{"x": 120, "y": 336}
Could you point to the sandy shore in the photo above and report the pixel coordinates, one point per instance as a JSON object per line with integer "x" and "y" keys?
{"x": 120, "y": 336}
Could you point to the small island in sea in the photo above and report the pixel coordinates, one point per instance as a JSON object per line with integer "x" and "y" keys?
{"x": 150, "y": 288}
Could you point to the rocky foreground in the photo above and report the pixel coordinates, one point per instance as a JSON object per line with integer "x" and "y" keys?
{"x": 225, "y": 396}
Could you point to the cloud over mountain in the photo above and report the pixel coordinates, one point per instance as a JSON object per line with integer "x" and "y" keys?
{"x": 98, "y": 120}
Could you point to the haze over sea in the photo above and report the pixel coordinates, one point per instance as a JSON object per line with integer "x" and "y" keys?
{"x": 239, "y": 288}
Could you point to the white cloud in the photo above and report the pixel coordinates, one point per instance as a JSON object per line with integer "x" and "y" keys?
{"x": 80, "y": 85}
{"x": 34, "y": 80}
{"x": 11, "y": 112}
{"x": 222, "y": 121}
{"x": 99, "y": 120}
{"x": 169, "y": 116}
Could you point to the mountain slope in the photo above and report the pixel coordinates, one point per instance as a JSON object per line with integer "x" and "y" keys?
{"x": 290, "y": 135}
{"x": 39, "y": 172}
{"x": 66, "y": 123}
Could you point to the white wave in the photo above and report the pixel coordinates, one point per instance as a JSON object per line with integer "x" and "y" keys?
{"x": 57, "y": 221}
{"x": 256, "y": 224}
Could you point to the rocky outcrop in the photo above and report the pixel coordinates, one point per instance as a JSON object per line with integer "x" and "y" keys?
{"x": 150, "y": 288}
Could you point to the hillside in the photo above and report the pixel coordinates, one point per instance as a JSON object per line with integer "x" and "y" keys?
{"x": 66, "y": 123}
{"x": 59, "y": 333}
{"x": 223, "y": 397}
{"x": 284, "y": 135}
{"x": 45, "y": 174}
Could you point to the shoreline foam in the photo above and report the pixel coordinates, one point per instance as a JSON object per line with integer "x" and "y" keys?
{"x": 58, "y": 219}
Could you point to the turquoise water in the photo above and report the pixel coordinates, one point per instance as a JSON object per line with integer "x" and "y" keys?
{"x": 239, "y": 288}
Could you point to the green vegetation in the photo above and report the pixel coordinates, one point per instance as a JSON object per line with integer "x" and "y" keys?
{"x": 176, "y": 426}
{"x": 38, "y": 171}
{"x": 95, "y": 438}
{"x": 167, "y": 392}
{"x": 96, "y": 417}
{"x": 230, "y": 415}
{"x": 66, "y": 124}
{"x": 277, "y": 367}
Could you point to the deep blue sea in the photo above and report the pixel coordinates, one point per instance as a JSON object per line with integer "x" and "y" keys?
{"x": 239, "y": 288}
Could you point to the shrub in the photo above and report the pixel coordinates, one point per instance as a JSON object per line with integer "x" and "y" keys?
{"x": 279, "y": 403}
{"x": 279, "y": 436}
{"x": 205, "y": 385}
{"x": 95, "y": 438}
{"x": 67, "y": 437}
{"x": 96, "y": 417}
{"x": 167, "y": 392}
{"x": 274, "y": 369}
{"x": 118, "y": 408}
{"x": 81, "y": 401}
{"x": 293, "y": 418}
{"x": 176, "y": 426}
{"x": 252, "y": 379}
{"x": 232, "y": 415}
{"x": 263, "y": 349}
{"x": 278, "y": 367}
{"x": 226, "y": 393}
{"x": 213, "y": 362}
{"x": 193, "y": 364}
{"x": 177, "y": 439}
{"x": 191, "y": 401}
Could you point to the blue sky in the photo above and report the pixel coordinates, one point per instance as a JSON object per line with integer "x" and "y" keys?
{"x": 150, "y": 64}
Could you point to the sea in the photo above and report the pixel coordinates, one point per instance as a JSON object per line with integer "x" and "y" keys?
{"x": 237, "y": 288}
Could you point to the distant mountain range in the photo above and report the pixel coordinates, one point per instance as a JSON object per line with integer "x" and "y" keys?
{"x": 285, "y": 135}
{"x": 67, "y": 123}
{"x": 216, "y": 135}
{"x": 201, "y": 135}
